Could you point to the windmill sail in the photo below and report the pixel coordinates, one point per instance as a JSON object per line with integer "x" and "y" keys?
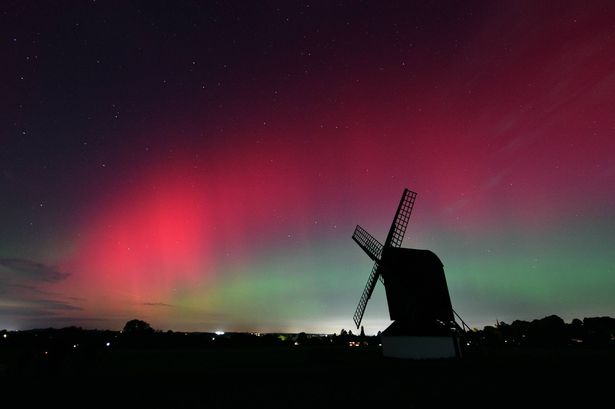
{"x": 368, "y": 243}
{"x": 400, "y": 223}
{"x": 374, "y": 249}
{"x": 367, "y": 293}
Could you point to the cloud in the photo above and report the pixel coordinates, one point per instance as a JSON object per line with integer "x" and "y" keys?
{"x": 456, "y": 206}
{"x": 34, "y": 319}
{"x": 24, "y": 296}
{"x": 496, "y": 179}
{"x": 76, "y": 298}
{"x": 157, "y": 304}
{"x": 35, "y": 307}
{"x": 20, "y": 289}
{"x": 55, "y": 305}
{"x": 22, "y": 269}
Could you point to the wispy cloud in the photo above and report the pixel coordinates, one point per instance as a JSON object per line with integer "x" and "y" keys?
{"x": 56, "y": 305}
{"x": 456, "y": 206}
{"x": 35, "y": 307}
{"x": 75, "y": 298}
{"x": 16, "y": 288}
{"x": 157, "y": 304}
{"x": 496, "y": 179}
{"x": 24, "y": 293}
{"x": 27, "y": 269}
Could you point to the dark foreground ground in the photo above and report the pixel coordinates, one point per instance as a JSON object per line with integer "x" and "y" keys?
{"x": 322, "y": 376}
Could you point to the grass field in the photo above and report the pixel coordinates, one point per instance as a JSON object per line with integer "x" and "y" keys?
{"x": 322, "y": 376}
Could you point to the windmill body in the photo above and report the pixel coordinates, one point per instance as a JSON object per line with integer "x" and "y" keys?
{"x": 416, "y": 290}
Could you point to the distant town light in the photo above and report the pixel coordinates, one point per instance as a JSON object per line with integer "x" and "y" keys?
{"x": 213, "y": 338}
{"x": 4, "y": 335}
{"x": 108, "y": 344}
{"x": 296, "y": 343}
{"x": 219, "y": 332}
{"x": 74, "y": 345}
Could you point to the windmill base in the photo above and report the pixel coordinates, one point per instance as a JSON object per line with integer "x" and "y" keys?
{"x": 419, "y": 347}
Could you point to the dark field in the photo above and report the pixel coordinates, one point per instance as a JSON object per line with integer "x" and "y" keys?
{"x": 314, "y": 376}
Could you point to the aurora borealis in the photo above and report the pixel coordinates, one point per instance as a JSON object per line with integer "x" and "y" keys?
{"x": 203, "y": 166}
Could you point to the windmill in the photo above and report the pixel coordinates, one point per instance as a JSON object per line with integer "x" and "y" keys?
{"x": 416, "y": 291}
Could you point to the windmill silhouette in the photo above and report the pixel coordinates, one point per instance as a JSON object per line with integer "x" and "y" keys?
{"x": 416, "y": 291}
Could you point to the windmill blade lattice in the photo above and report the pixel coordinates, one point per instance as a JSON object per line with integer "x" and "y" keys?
{"x": 374, "y": 249}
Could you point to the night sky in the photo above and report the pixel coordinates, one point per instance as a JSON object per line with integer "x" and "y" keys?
{"x": 202, "y": 166}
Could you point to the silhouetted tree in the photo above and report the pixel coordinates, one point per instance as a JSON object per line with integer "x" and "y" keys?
{"x": 519, "y": 327}
{"x": 575, "y": 329}
{"x": 548, "y": 331}
{"x": 599, "y": 330}
{"x": 362, "y": 332}
{"x": 492, "y": 336}
{"x": 137, "y": 327}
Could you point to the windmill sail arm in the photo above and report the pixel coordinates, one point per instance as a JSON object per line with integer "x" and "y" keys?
{"x": 368, "y": 243}
{"x": 400, "y": 222}
{"x": 367, "y": 293}
{"x": 374, "y": 248}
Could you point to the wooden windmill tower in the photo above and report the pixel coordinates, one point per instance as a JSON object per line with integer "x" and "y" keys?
{"x": 416, "y": 290}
